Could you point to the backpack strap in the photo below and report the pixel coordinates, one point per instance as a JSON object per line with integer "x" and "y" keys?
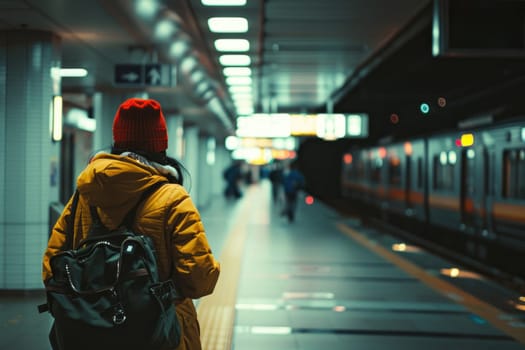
{"x": 98, "y": 226}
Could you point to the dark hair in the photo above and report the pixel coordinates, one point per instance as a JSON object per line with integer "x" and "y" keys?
{"x": 179, "y": 168}
{"x": 161, "y": 158}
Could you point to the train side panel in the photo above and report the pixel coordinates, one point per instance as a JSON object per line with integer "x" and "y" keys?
{"x": 405, "y": 181}
{"x": 506, "y": 192}
{"x": 469, "y": 197}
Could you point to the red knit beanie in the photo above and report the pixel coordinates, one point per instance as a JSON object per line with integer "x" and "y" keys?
{"x": 140, "y": 125}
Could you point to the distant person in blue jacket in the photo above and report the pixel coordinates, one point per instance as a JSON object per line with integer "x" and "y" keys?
{"x": 233, "y": 175}
{"x": 276, "y": 178}
{"x": 293, "y": 182}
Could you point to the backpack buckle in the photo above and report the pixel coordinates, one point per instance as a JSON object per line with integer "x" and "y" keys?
{"x": 119, "y": 317}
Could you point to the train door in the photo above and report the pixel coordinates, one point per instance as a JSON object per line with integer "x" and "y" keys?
{"x": 408, "y": 185}
{"x": 484, "y": 189}
{"x": 473, "y": 189}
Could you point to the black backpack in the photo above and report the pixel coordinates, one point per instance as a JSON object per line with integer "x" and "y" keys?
{"x": 106, "y": 294}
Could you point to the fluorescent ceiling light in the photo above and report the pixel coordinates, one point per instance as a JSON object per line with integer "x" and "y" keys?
{"x": 146, "y": 8}
{"x": 235, "y": 60}
{"x": 243, "y": 103}
{"x": 188, "y": 64}
{"x": 237, "y": 71}
{"x": 237, "y": 45}
{"x": 240, "y": 88}
{"x": 238, "y": 80}
{"x": 57, "y": 118}
{"x": 179, "y": 48}
{"x": 271, "y": 330}
{"x": 223, "y": 2}
{"x": 245, "y": 110}
{"x": 241, "y": 96}
{"x": 164, "y": 29}
{"x": 228, "y": 24}
{"x": 79, "y": 119}
{"x": 262, "y": 125}
{"x": 73, "y": 72}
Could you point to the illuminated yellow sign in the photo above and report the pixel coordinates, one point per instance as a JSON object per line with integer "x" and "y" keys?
{"x": 303, "y": 125}
{"x": 467, "y": 140}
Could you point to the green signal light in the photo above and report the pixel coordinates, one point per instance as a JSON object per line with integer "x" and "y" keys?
{"x": 424, "y": 108}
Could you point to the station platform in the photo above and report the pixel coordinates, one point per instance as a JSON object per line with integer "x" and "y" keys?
{"x": 324, "y": 281}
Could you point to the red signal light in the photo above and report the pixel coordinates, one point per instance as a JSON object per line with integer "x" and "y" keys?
{"x": 309, "y": 200}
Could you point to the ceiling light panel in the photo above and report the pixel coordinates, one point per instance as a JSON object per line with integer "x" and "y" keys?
{"x": 242, "y": 96}
{"x": 147, "y": 8}
{"x": 238, "y": 80}
{"x": 223, "y": 2}
{"x": 234, "y": 45}
{"x": 245, "y": 111}
{"x": 73, "y": 72}
{"x": 240, "y": 88}
{"x": 164, "y": 29}
{"x": 235, "y": 60}
{"x": 228, "y": 24}
{"x": 237, "y": 71}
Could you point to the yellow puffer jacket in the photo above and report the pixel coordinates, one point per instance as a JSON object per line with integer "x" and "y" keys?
{"x": 114, "y": 184}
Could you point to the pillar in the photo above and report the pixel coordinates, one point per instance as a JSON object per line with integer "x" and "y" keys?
{"x": 175, "y": 125}
{"x": 29, "y": 159}
{"x": 191, "y": 162}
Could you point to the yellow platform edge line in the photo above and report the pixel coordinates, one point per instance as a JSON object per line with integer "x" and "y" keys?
{"x": 475, "y": 305}
{"x": 216, "y": 312}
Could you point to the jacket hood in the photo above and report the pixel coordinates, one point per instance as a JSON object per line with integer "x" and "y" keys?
{"x": 115, "y": 183}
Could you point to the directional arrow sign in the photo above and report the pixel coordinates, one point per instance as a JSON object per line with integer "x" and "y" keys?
{"x": 153, "y": 76}
{"x": 129, "y": 74}
{"x": 158, "y": 74}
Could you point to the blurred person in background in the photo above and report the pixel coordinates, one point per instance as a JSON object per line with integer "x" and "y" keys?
{"x": 276, "y": 178}
{"x": 293, "y": 182}
{"x": 232, "y": 175}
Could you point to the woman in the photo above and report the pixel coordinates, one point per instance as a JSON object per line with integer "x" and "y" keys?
{"x": 114, "y": 183}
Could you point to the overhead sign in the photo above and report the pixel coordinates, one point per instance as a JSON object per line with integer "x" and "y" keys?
{"x": 326, "y": 126}
{"x": 264, "y": 125}
{"x": 129, "y": 74}
{"x": 152, "y": 74}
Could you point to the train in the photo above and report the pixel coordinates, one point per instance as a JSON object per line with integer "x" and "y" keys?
{"x": 462, "y": 190}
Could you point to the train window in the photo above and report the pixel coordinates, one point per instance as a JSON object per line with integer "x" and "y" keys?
{"x": 348, "y": 169}
{"x": 419, "y": 179}
{"x": 514, "y": 174}
{"x": 443, "y": 173}
{"x": 394, "y": 176}
{"x": 375, "y": 170}
{"x": 360, "y": 170}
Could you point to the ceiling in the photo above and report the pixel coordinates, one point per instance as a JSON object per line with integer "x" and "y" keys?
{"x": 369, "y": 56}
